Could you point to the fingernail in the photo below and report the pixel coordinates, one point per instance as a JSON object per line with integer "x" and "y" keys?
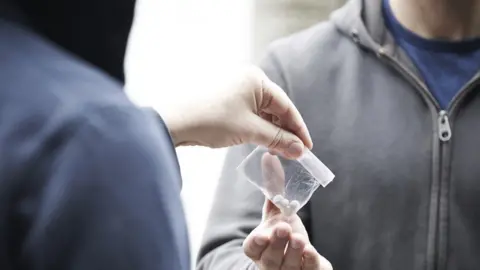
{"x": 309, "y": 136}
{"x": 282, "y": 233}
{"x": 295, "y": 149}
{"x": 259, "y": 241}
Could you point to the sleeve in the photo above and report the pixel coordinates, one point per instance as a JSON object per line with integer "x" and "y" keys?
{"x": 109, "y": 199}
{"x": 237, "y": 207}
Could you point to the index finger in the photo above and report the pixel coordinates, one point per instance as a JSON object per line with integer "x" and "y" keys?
{"x": 276, "y": 102}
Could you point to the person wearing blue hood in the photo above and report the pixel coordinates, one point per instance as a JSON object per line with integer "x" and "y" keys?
{"x": 88, "y": 180}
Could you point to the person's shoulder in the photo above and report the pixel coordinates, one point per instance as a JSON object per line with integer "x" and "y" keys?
{"x": 49, "y": 95}
{"x": 319, "y": 40}
{"x": 296, "y": 61}
{"x": 43, "y": 82}
{"x": 316, "y": 56}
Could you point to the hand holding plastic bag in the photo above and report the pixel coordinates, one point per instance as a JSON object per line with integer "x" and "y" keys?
{"x": 281, "y": 241}
{"x": 289, "y": 184}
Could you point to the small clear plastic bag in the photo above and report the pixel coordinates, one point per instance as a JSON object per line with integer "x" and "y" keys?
{"x": 289, "y": 184}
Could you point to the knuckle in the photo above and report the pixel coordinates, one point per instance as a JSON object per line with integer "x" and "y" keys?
{"x": 278, "y": 138}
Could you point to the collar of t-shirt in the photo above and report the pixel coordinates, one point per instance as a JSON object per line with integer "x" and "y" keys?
{"x": 446, "y": 66}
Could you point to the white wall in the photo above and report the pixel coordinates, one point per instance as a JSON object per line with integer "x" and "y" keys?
{"x": 180, "y": 49}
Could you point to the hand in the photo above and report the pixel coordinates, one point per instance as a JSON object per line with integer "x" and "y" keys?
{"x": 280, "y": 242}
{"x": 252, "y": 109}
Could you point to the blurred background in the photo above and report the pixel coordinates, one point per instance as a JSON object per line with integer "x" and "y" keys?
{"x": 183, "y": 48}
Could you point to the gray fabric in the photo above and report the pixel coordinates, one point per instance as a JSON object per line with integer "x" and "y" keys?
{"x": 401, "y": 199}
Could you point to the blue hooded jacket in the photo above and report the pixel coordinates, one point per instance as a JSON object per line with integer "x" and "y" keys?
{"x": 87, "y": 179}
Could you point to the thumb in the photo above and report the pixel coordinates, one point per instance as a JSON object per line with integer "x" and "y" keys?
{"x": 277, "y": 139}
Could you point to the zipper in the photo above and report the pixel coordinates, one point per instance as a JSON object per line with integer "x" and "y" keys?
{"x": 440, "y": 241}
{"x": 439, "y": 117}
{"x": 443, "y": 122}
{"x": 444, "y": 130}
{"x": 410, "y": 76}
{"x": 438, "y": 215}
{"x": 445, "y": 133}
{"x": 463, "y": 92}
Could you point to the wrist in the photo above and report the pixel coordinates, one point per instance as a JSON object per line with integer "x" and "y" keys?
{"x": 180, "y": 129}
{"x": 176, "y": 129}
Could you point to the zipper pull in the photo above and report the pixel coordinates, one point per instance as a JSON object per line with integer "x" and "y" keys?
{"x": 444, "y": 130}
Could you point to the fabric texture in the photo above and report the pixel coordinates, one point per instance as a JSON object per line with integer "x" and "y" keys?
{"x": 402, "y": 198}
{"x": 88, "y": 180}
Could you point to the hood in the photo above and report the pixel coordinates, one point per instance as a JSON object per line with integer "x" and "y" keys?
{"x": 362, "y": 21}
{"x": 95, "y": 30}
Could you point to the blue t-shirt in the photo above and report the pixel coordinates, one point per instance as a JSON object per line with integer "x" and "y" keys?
{"x": 445, "y": 66}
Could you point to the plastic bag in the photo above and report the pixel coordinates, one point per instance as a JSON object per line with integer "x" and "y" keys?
{"x": 289, "y": 184}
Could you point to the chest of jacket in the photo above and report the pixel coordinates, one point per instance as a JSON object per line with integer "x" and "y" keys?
{"x": 403, "y": 198}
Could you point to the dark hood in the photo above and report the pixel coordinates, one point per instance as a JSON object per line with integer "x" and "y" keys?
{"x": 95, "y": 30}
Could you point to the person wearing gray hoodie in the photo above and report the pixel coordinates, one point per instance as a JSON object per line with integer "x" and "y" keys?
{"x": 390, "y": 92}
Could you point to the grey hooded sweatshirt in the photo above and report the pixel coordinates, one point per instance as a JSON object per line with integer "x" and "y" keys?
{"x": 407, "y": 188}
